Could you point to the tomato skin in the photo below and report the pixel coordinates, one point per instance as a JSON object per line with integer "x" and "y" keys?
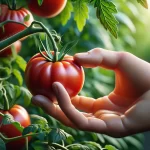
{"x": 40, "y": 74}
{"x": 15, "y": 15}
{"x": 20, "y": 115}
{"x": 7, "y": 52}
{"x": 48, "y": 9}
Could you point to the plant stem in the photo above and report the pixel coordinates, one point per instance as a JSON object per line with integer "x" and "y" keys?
{"x": 28, "y": 31}
{"x": 6, "y": 102}
{"x": 14, "y": 5}
{"x": 58, "y": 146}
{"x": 26, "y": 143}
{"x": 17, "y": 137}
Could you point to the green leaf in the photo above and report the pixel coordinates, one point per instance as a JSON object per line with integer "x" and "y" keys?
{"x": 78, "y": 147}
{"x": 36, "y": 119}
{"x": 110, "y": 147}
{"x": 144, "y": 3}
{"x": 40, "y": 2}
{"x": 18, "y": 76}
{"x": 104, "y": 12}
{"x": 80, "y": 13}
{"x": 66, "y": 13}
{"x": 34, "y": 128}
{"x": 21, "y": 62}
{"x": 8, "y": 119}
{"x": 26, "y": 95}
{"x": 5, "y": 72}
{"x": 57, "y": 135}
{"x": 2, "y": 145}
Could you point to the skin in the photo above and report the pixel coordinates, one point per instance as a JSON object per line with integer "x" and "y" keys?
{"x": 125, "y": 111}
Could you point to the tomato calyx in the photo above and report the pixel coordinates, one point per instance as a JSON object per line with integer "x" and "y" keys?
{"x": 51, "y": 45}
{"x": 12, "y": 6}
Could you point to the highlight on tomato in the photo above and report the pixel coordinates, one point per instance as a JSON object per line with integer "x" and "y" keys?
{"x": 20, "y": 115}
{"x": 21, "y": 15}
{"x": 8, "y": 51}
{"x": 48, "y": 8}
{"x": 49, "y": 66}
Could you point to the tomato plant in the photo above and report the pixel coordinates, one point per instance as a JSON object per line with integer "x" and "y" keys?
{"x": 20, "y": 115}
{"x": 21, "y": 15}
{"x": 8, "y": 51}
{"x": 48, "y": 9}
{"x": 41, "y": 73}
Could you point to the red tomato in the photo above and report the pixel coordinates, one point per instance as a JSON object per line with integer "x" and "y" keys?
{"x": 7, "y": 52}
{"x": 15, "y": 15}
{"x": 40, "y": 74}
{"x": 20, "y": 115}
{"x": 48, "y": 9}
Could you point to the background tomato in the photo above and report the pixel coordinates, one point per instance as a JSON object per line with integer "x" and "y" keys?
{"x": 48, "y": 9}
{"x": 8, "y": 51}
{"x": 15, "y": 15}
{"x": 20, "y": 115}
{"x": 40, "y": 74}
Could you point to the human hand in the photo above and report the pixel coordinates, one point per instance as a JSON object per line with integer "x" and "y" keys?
{"x": 123, "y": 112}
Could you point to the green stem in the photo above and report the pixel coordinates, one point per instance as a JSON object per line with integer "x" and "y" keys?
{"x": 58, "y": 146}
{"x": 6, "y": 102}
{"x": 14, "y": 5}
{"x": 28, "y": 31}
{"x": 17, "y": 137}
{"x": 26, "y": 143}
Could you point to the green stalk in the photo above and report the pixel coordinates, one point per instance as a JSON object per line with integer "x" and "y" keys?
{"x": 14, "y": 5}
{"x": 26, "y": 143}
{"x": 6, "y": 102}
{"x": 28, "y": 31}
{"x": 54, "y": 46}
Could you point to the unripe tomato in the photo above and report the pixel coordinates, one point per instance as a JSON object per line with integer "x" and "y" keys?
{"x": 48, "y": 9}
{"x": 15, "y": 15}
{"x": 20, "y": 115}
{"x": 8, "y": 51}
{"x": 41, "y": 73}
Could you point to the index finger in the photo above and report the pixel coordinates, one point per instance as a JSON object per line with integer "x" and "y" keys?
{"x": 98, "y": 57}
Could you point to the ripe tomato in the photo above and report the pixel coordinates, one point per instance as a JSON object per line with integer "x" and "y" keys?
{"x": 40, "y": 74}
{"x": 15, "y": 15}
{"x": 20, "y": 115}
{"x": 48, "y": 9}
{"x": 7, "y": 52}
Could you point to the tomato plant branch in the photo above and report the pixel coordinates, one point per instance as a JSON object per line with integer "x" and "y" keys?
{"x": 6, "y": 102}
{"x": 26, "y": 143}
{"x": 59, "y": 146}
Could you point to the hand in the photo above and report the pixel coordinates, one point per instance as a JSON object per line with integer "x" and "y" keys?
{"x": 125, "y": 111}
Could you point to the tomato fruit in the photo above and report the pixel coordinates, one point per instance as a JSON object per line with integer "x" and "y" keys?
{"x": 8, "y": 51}
{"x": 15, "y": 15}
{"x": 41, "y": 73}
{"x": 20, "y": 115}
{"x": 48, "y": 9}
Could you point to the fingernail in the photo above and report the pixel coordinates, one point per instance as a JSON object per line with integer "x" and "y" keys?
{"x": 81, "y": 55}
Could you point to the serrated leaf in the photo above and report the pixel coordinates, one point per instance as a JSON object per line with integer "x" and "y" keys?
{"x": 80, "y": 13}
{"x": 26, "y": 95}
{"x": 4, "y": 72}
{"x": 21, "y": 62}
{"x": 144, "y": 3}
{"x": 36, "y": 119}
{"x": 2, "y": 145}
{"x": 34, "y": 128}
{"x": 8, "y": 119}
{"x": 110, "y": 147}
{"x": 18, "y": 76}
{"x": 66, "y": 13}
{"x": 57, "y": 135}
{"x": 92, "y": 145}
{"x": 78, "y": 147}
{"x": 104, "y": 12}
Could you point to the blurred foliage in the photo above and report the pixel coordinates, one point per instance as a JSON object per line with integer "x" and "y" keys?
{"x": 133, "y": 29}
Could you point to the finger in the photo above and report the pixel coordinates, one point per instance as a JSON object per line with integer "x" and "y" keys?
{"x": 98, "y": 57}
{"x": 51, "y": 109}
{"x": 91, "y": 105}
